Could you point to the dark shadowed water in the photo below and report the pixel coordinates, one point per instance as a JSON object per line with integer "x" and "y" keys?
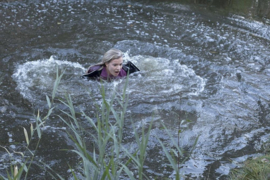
{"x": 196, "y": 62}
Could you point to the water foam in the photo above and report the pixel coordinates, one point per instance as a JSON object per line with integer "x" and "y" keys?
{"x": 35, "y": 78}
{"x": 161, "y": 76}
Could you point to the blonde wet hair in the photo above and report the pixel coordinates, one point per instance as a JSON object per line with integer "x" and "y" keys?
{"x": 111, "y": 55}
{"x": 108, "y": 57}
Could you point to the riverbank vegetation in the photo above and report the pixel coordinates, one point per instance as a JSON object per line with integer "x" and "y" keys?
{"x": 98, "y": 141}
{"x": 104, "y": 156}
{"x": 256, "y": 168}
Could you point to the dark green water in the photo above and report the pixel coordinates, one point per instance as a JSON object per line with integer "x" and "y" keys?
{"x": 202, "y": 60}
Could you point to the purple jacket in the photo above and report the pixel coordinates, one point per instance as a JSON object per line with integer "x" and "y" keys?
{"x": 99, "y": 72}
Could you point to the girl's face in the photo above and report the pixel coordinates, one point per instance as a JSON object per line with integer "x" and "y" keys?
{"x": 114, "y": 66}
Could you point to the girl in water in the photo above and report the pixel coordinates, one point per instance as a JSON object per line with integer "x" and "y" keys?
{"x": 111, "y": 67}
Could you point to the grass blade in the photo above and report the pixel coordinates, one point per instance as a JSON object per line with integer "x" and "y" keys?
{"x": 26, "y": 136}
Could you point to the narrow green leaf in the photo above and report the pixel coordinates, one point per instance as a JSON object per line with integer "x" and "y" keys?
{"x": 26, "y": 136}
{"x": 32, "y": 130}
{"x": 48, "y": 101}
{"x": 15, "y": 172}
{"x": 48, "y": 114}
{"x": 129, "y": 173}
{"x": 38, "y": 130}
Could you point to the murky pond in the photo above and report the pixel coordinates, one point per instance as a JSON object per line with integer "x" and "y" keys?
{"x": 195, "y": 63}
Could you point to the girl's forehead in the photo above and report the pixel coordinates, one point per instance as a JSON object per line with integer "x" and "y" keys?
{"x": 117, "y": 61}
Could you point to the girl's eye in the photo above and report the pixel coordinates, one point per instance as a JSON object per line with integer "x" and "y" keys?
{"x": 117, "y": 64}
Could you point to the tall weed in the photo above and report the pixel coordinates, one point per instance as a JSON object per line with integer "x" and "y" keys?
{"x": 106, "y": 158}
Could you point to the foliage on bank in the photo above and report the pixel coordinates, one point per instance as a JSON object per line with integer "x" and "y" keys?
{"x": 107, "y": 158}
{"x": 256, "y": 168}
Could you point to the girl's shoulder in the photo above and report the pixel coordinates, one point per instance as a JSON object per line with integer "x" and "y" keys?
{"x": 94, "y": 68}
{"x": 129, "y": 67}
{"x": 93, "y": 71}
